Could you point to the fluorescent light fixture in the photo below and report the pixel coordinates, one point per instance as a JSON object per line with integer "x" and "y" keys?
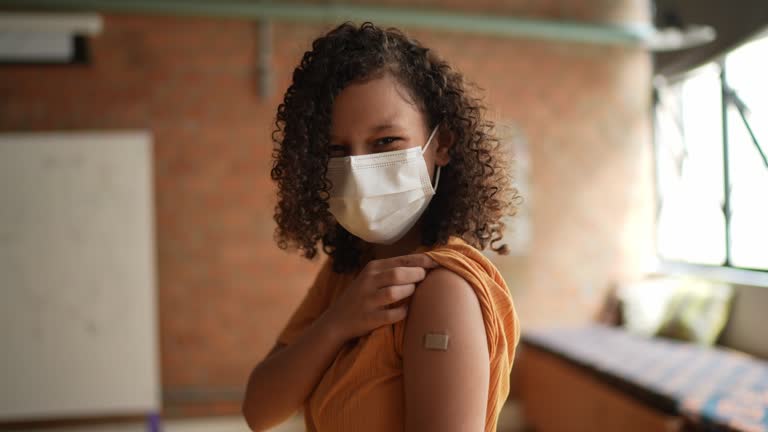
{"x": 675, "y": 38}
{"x": 45, "y": 37}
{"x": 36, "y": 47}
{"x": 71, "y": 23}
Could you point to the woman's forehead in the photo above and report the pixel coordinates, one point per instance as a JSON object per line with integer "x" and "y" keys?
{"x": 373, "y": 106}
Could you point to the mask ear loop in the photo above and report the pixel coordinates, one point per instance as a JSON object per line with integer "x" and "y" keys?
{"x": 429, "y": 141}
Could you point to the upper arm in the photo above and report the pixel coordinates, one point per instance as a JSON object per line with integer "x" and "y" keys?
{"x": 445, "y": 390}
{"x": 277, "y": 347}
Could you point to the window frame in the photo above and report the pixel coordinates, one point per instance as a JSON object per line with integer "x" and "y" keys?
{"x": 727, "y": 271}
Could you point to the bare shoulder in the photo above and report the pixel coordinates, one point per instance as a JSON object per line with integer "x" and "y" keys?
{"x": 445, "y": 289}
{"x": 444, "y": 301}
{"x": 445, "y": 356}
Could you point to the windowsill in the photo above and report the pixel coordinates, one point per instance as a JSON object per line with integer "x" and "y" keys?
{"x": 723, "y": 274}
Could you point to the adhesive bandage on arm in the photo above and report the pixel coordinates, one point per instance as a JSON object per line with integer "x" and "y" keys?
{"x": 436, "y": 341}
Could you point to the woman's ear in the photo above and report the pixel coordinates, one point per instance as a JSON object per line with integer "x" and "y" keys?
{"x": 445, "y": 138}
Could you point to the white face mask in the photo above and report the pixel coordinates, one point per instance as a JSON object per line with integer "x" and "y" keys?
{"x": 378, "y": 197}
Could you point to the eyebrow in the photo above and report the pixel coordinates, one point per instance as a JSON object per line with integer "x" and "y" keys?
{"x": 378, "y": 128}
{"x": 383, "y": 126}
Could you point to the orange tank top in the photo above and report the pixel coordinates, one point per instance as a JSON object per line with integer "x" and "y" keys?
{"x": 363, "y": 387}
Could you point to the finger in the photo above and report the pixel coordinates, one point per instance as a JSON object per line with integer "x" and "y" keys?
{"x": 390, "y": 316}
{"x": 413, "y": 260}
{"x": 393, "y": 294}
{"x": 399, "y": 276}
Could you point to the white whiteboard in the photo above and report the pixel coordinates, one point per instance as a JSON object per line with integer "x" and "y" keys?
{"x": 78, "y": 315}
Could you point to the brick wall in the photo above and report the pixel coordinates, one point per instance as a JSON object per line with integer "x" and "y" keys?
{"x": 224, "y": 287}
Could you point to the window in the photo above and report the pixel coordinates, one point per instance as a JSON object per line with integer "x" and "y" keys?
{"x": 711, "y": 131}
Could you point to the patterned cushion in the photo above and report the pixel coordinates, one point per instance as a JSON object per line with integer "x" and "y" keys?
{"x": 714, "y": 387}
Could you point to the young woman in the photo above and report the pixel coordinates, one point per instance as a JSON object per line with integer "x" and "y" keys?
{"x": 385, "y": 159}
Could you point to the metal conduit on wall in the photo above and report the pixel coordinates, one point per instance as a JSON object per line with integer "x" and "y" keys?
{"x": 628, "y": 34}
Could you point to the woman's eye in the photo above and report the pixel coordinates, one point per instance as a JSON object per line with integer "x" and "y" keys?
{"x": 386, "y": 141}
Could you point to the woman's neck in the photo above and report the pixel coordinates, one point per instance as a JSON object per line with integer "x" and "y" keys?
{"x": 410, "y": 241}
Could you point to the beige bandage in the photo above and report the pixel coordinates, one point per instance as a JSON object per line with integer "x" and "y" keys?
{"x": 436, "y": 341}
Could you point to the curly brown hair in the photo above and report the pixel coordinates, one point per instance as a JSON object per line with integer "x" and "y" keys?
{"x": 476, "y": 189}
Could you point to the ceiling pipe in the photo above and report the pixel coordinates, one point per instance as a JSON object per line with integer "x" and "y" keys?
{"x": 642, "y": 35}
{"x": 629, "y": 34}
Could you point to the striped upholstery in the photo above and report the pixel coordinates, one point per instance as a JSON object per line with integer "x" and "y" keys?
{"x": 714, "y": 388}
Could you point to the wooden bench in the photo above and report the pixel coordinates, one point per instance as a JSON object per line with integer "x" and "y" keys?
{"x": 598, "y": 378}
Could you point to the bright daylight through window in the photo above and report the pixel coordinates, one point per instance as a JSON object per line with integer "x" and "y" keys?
{"x": 712, "y": 130}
